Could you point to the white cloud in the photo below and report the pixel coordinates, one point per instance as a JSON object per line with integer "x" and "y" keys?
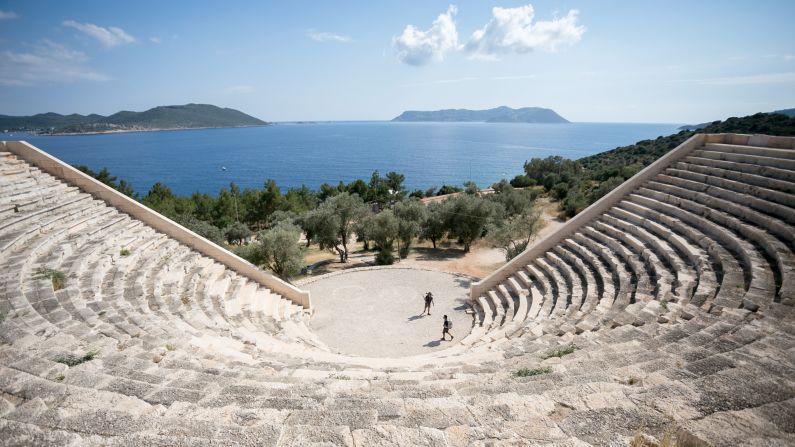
{"x": 322, "y": 36}
{"x": 109, "y": 37}
{"x": 417, "y": 47}
{"x": 766, "y": 78}
{"x": 7, "y": 15}
{"x": 156, "y": 40}
{"x": 513, "y": 30}
{"x": 47, "y": 62}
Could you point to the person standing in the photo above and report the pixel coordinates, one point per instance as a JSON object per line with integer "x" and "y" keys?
{"x": 446, "y": 326}
{"x": 428, "y": 303}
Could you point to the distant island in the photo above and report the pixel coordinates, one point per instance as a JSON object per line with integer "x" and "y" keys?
{"x": 788, "y": 112}
{"x": 188, "y": 116}
{"x": 497, "y": 115}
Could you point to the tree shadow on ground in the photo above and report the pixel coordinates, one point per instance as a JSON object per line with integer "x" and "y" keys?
{"x": 437, "y": 254}
{"x": 462, "y": 282}
{"x": 355, "y": 260}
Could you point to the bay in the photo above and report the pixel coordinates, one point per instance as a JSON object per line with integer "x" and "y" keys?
{"x": 428, "y": 154}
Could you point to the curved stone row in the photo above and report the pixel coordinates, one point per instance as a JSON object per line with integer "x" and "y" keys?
{"x": 699, "y": 234}
{"x": 150, "y": 291}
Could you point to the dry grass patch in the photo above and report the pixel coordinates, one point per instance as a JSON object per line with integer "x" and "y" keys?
{"x": 57, "y": 277}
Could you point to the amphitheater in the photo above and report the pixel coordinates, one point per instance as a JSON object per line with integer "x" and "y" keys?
{"x": 663, "y": 312}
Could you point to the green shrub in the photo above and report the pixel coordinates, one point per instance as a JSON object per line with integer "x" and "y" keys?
{"x": 58, "y": 278}
{"x": 74, "y": 360}
{"x": 522, "y": 181}
{"x": 124, "y": 252}
{"x": 560, "y": 352}
{"x": 385, "y": 257}
{"x": 404, "y": 251}
{"x": 526, "y": 372}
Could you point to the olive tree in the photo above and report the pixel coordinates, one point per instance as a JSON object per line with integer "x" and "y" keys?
{"x": 383, "y": 230}
{"x": 513, "y": 234}
{"x": 280, "y": 250}
{"x": 332, "y": 223}
{"x": 410, "y": 215}
{"x": 515, "y": 201}
{"x": 467, "y": 216}
{"x": 236, "y": 233}
{"x": 434, "y": 227}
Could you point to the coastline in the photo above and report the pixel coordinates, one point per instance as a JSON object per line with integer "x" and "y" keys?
{"x": 169, "y": 129}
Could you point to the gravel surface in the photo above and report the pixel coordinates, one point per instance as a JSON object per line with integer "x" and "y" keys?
{"x": 376, "y": 313}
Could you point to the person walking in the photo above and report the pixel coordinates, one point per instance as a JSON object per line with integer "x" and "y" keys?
{"x": 446, "y": 326}
{"x": 428, "y": 303}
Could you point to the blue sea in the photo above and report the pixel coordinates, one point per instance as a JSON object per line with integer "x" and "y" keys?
{"x": 428, "y": 154}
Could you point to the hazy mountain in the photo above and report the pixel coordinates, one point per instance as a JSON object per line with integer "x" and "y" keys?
{"x": 498, "y": 115}
{"x": 789, "y": 112}
{"x": 158, "y": 118}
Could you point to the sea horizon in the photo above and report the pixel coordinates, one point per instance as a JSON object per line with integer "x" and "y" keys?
{"x": 429, "y": 154}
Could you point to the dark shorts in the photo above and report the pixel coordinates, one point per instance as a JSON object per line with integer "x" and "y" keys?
{"x": 446, "y": 330}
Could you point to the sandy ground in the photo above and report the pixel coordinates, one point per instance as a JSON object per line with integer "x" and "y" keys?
{"x": 376, "y": 313}
{"x": 448, "y": 256}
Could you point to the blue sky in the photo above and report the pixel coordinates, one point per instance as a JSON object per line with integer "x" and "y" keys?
{"x": 617, "y": 61}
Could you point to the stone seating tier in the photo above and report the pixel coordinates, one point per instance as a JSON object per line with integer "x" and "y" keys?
{"x": 667, "y": 307}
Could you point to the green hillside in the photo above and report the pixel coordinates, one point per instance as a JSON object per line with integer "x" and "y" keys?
{"x": 163, "y": 117}
{"x": 578, "y": 183}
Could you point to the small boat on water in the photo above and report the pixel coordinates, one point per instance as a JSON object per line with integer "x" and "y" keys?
{"x": 223, "y": 168}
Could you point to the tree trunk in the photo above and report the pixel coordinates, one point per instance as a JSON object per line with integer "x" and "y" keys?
{"x": 433, "y": 241}
{"x": 466, "y": 247}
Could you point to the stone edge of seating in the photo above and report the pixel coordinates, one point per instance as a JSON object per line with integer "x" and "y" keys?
{"x": 70, "y": 175}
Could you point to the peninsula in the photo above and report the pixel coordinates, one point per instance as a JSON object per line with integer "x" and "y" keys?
{"x": 188, "y": 116}
{"x": 501, "y": 114}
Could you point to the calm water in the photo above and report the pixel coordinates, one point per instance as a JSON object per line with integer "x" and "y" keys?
{"x": 428, "y": 154}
